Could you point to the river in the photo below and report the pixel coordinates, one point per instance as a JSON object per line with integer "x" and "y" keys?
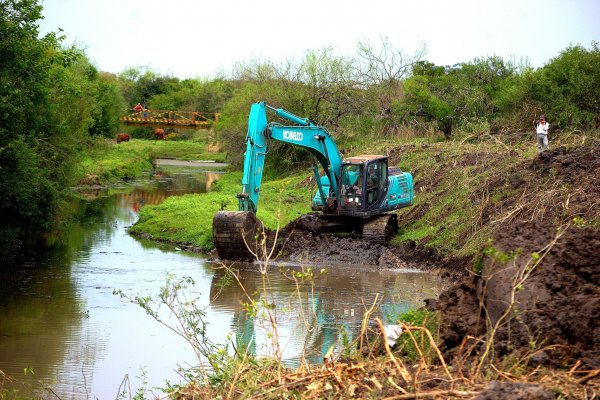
{"x": 63, "y": 328}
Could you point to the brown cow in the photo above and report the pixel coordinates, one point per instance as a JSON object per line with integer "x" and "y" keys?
{"x": 123, "y": 137}
{"x": 159, "y": 133}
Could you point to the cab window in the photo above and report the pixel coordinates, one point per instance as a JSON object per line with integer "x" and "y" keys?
{"x": 352, "y": 186}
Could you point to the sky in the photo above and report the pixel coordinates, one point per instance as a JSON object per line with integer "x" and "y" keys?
{"x": 198, "y": 38}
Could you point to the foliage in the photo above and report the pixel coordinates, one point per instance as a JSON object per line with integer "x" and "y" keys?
{"x": 177, "y": 308}
{"x": 454, "y": 95}
{"x": 200, "y": 95}
{"x": 30, "y": 139}
{"x": 109, "y": 106}
{"x": 27, "y": 194}
{"x": 232, "y": 126}
{"x": 139, "y": 85}
{"x": 51, "y": 99}
{"x": 406, "y": 345}
{"x": 568, "y": 87}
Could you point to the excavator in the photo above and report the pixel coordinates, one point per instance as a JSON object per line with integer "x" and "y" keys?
{"x": 354, "y": 194}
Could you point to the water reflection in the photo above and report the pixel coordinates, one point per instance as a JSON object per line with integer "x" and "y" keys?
{"x": 58, "y": 316}
{"x": 313, "y": 316}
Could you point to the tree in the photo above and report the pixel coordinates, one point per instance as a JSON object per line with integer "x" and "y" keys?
{"x": 568, "y": 87}
{"x": 380, "y": 70}
{"x": 110, "y": 105}
{"x": 27, "y": 128}
{"x": 433, "y": 93}
{"x": 458, "y": 94}
{"x": 139, "y": 85}
{"x": 51, "y": 98}
{"x": 203, "y": 95}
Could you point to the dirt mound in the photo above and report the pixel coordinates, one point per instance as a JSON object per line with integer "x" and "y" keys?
{"x": 569, "y": 164}
{"x": 556, "y": 307}
{"x": 547, "y": 258}
{"x": 305, "y": 240}
{"x": 559, "y": 303}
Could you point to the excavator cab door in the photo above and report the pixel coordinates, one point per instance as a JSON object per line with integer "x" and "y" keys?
{"x": 376, "y": 181}
{"x": 363, "y": 185}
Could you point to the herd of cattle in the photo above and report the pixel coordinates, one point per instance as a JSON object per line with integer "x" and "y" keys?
{"x": 159, "y": 133}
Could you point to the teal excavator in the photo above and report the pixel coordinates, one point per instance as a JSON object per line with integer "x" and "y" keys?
{"x": 354, "y": 194}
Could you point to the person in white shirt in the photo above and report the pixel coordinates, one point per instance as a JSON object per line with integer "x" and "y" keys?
{"x": 541, "y": 129}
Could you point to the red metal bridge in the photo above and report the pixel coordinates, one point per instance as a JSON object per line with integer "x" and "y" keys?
{"x": 163, "y": 118}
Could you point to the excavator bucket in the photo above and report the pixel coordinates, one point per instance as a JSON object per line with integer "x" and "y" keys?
{"x": 237, "y": 235}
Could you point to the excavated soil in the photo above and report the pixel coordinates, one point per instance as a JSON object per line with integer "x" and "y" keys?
{"x": 555, "y": 315}
{"x": 303, "y": 241}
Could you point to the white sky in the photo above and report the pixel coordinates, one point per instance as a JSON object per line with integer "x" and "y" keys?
{"x": 188, "y": 38}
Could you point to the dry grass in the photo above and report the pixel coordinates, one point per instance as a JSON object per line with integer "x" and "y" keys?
{"x": 387, "y": 377}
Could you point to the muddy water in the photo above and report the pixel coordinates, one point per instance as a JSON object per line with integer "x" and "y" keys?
{"x": 60, "y": 320}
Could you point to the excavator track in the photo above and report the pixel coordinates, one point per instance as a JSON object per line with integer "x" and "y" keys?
{"x": 380, "y": 228}
{"x": 235, "y": 235}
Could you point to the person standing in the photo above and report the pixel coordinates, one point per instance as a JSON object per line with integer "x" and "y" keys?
{"x": 541, "y": 130}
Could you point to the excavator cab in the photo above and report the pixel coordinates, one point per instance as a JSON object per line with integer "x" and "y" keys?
{"x": 363, "y": 184}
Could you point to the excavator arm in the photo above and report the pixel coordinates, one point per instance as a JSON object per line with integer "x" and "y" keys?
{"x": 235, "y": 233}
{"x": 304, "y": 134}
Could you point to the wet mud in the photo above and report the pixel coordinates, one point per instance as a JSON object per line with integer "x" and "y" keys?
{"x": 304, "y": 241}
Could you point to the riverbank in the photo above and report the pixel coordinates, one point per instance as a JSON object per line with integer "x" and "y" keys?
{"x": 466, "y": 193}
{"x": 470, "y": 196}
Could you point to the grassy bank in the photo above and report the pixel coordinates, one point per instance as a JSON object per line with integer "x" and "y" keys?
{"x": 467, "y": 192}
{"x": 187, "y": 220}
{"x": 105, "y": 161}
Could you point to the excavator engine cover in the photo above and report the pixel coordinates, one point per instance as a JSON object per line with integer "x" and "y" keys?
{"x": 237, "y": 234}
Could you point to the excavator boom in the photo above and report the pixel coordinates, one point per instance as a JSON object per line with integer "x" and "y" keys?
{"x": 304, "y": 134}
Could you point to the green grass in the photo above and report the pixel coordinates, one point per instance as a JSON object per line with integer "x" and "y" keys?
{"x": 105, "y": 162}
{"x": 182, "y": 150}
{"x": 450, "y": 186}
{"x": 188, "y": 219}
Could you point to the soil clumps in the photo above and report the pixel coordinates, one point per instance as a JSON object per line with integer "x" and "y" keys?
{"x": 304, "y": 241}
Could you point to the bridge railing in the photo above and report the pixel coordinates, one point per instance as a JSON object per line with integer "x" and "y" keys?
{"x": 183, "y": 119}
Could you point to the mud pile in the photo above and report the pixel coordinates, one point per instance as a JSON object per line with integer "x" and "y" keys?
{"x": 557, "y": 305}
{"x": 304, "y": 241}
{"x": 556, "y": 309}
